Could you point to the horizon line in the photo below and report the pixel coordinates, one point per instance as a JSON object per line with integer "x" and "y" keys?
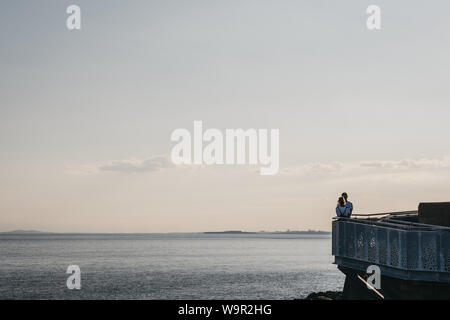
{"x": 22, "y": 231}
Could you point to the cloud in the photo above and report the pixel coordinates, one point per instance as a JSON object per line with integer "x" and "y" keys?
{"x": 364, "y": 168}
{"x": 155, "y": 163}
{"x": 410, "y": 164}
{"x": 313, "y": 170}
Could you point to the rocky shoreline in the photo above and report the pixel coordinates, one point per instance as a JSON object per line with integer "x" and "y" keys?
{"x": 327, "y": 295}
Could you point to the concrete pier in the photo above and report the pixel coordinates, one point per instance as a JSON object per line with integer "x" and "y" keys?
{"x": 413, "y": 257}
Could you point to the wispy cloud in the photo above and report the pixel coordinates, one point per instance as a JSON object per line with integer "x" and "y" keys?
{"x": 358, "y": 168}
{"x": 132, "y": 165}
{"x": 138, "y": 165}
{"x": 410, "y": 164}
{"x": 314, "y": 170}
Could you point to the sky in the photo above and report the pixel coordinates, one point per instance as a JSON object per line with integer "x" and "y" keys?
{"x": 86, "y": 115}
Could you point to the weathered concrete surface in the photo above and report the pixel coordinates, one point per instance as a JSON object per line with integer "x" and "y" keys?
{"x": 392, "y": 288}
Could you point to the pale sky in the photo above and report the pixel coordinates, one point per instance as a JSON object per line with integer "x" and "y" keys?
{"x": 86, "y": 115}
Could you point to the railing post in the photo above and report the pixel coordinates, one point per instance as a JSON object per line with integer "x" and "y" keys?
{"x": 419, "y": 254}
{"x": 388, "y": 248}
{"x": 441, "y": 253}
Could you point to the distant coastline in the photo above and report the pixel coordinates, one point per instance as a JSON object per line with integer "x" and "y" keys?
{"x": 25, "y": 232}
{"x": 270, "y": 232}
{"x": 229, "y": 232}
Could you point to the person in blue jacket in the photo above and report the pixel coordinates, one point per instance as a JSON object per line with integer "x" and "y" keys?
{"x": 348, "y": 204}
{"x": 341, "y": 209}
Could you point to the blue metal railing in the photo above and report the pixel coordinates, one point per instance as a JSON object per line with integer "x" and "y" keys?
{"x": 402, "y": 249}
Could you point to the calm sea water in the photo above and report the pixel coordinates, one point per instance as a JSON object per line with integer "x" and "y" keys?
{"x": 167, "y": 266}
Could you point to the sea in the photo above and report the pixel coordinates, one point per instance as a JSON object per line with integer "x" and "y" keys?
{"x": 167, "y": 266}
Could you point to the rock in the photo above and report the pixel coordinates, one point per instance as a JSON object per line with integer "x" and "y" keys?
{"x": 328, "y": 295}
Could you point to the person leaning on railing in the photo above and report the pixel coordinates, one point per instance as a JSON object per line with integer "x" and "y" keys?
{"x": 348, "y": 204}
{"x": 342, "y": 210}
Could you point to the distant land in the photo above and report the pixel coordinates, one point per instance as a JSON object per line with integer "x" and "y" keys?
{"x": 24, "y": 232}
{"x": 229, "y": 232}
{"x": 269, "y": 232}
